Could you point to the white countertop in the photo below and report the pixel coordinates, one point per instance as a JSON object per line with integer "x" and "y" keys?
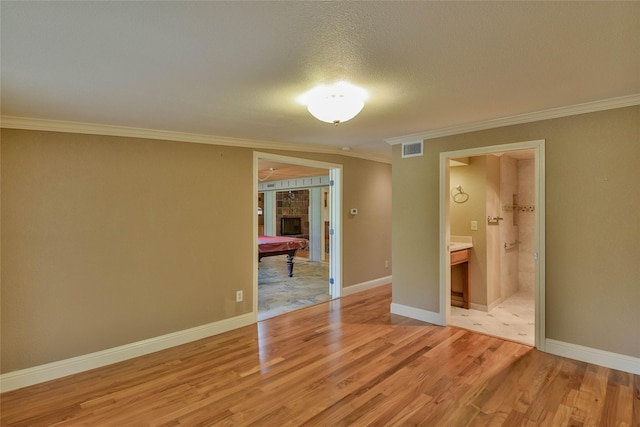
{"x": 458, "y": 246}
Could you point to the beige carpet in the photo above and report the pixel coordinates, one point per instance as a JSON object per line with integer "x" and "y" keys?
{"x": 278, "y": 294}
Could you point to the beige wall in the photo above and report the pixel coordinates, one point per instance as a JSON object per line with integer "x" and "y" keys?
{"x": 108, "y": 241}
{"x": 366, "y": 236}
{"x": 592, "y": 226}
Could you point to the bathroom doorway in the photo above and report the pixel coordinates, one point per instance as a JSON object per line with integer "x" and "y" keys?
{"x": 492, "y": 240}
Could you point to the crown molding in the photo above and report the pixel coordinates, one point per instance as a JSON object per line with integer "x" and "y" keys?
{"x": 27, "y": 123}
{"x": 554, "y": 113}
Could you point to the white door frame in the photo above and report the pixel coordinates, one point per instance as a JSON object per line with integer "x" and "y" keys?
{"x": 539, "y": 191}
{"x": 335, "y": 201}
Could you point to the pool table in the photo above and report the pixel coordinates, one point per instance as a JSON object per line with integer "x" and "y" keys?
{"x": 280, "y": 245}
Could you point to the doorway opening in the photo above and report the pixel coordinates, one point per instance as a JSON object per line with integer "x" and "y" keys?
{"x": 296, "y": 200}
{"x": 492, "y": 240}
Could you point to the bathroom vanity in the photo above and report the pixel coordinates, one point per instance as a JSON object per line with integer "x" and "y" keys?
{"x": 460, "y": 253}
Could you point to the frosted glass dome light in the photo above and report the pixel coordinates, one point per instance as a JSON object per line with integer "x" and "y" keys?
{"x": 334, "y": 103}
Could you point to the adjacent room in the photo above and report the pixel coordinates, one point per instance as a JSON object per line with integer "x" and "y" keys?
{"x": 492, "y": 218}
{"x": 319, "y": 213}
{"x": 293, "y": 204}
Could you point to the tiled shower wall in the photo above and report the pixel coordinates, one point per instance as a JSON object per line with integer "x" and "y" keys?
{"x": 526, "y": 225}
{"x": 509, "y": 259}
{"x": 517, "y": 262}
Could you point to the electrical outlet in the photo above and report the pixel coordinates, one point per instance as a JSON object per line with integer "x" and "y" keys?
{"x": 474, "y": 225}
{"x": 238, "y": 296}
{"x": 386, "y": 263}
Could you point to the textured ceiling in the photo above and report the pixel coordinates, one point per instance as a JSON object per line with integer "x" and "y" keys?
{"x": 234, "y": 69}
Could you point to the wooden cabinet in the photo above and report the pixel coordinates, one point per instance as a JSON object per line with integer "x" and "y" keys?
{"x": 461, "y": 257}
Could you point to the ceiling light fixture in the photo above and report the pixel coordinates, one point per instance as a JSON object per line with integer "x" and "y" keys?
{"x": 334, "y": 103}
{"x": 271, "y": 171}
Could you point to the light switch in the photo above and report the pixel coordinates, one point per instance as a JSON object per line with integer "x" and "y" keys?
{"x": 474, "y": 225}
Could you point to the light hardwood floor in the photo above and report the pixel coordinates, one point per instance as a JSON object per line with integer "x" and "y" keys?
{"x": 345, "y": 362}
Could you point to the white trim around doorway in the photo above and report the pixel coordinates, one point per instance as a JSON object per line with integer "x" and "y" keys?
{"x": 445, "y": 265}
{"x": 335, "y": 201}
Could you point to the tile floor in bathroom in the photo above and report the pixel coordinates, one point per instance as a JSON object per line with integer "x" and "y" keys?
{"x": 513, "y": 319}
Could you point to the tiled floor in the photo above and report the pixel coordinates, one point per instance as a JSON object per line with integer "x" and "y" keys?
{"x": 278, "y": 294}
{"x": 513, "y": 319}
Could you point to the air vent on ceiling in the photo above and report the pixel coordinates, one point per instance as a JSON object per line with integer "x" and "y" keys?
{"x": 411, "y": 149}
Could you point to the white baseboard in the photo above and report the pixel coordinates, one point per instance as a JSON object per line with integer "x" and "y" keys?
{"x": 349, "y": 290}
{"x": 607, "y": 359}
{"x": 417, "y": 313}
{"x": 62, "y": 368}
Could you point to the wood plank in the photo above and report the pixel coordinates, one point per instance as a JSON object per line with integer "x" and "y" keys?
{"x": 344, "y": 362}
{"x": 635, "y": 418}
